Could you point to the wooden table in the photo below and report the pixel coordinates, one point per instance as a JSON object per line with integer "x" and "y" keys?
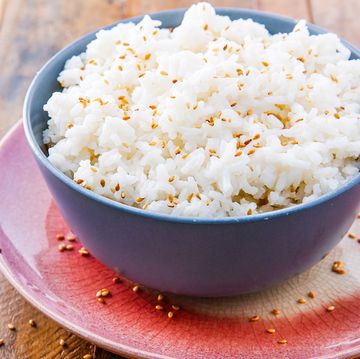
{"x": 31, "y": 32}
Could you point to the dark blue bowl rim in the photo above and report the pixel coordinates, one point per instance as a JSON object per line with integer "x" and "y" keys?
{"x": 40, "y": 156}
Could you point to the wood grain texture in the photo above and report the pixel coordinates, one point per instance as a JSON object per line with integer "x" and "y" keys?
{"x": 31, "y": 32}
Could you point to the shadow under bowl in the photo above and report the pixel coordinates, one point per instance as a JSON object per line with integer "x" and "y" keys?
{"x": 191, "y": 256}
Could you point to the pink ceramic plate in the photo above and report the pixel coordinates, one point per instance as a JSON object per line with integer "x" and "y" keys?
{"x": 63, "y": 286}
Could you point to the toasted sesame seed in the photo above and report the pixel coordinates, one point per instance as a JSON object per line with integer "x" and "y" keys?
{"x": 101, "y": 300}
{"x": 301, "y": 301}
{"x": 337, "y": 267}
{"x": 352, "y": 235}
{"x": 32, "y": 323}
{"x": 123, "y": 195}
{"x": 175, "y": 307}
{"x": 276, "y": 311}
{"x": 116, "y": 280}
{"x": 249, "y": 212}
{"x": 79, "y": 181}
{"x": 11, "y": 326}
{"x": 174, "y": 81}
{"x": 160, "y": 297}
{"x": 177, "y": 150}
{"x": 311, "y": 294}
{"x": 117, "y": 187}
{"x": 69, "y": 247}
{"x": 256, "y": 137}
{"x": 198, "y": 196}
{"x": 171, "y": 179}
{"x": 189, "y": 197}
{"x": 255, "y": 318}
{"x": 358, "y": 215}
{"x": 282, "y": 341}
{"x": 300, "y": 59}
{"x": 159, "y": 307}
{"x": 205, "y": 27}
{"x": 139, "y": 199}
{"x": 60, "y": 237}
{"x": 265, "y": 63}
{"x": 270, "y": 330}
{"x": 147, "y": 56}
{"x": 87, "y": 356}
{"x": 331, "y": 308}
{"x": 1, "y": 342}
{"x": 163, "y": 73}
{"x": 84, "y": 252}
{"x": 102, "y": 183}
{"x": 71, "y": 238}
{"x": 61, "y": 247}
{"x": 136, "y": 288}
{"x": 185, "y": 155}
{"x": 170, "y": 315}
{"x": 252, "y": 151}
{"x": 62, "y": 342}
{"x": 336, "y": 115}
{"x": 105, "y": 292}
{"x": 154, "y": 125}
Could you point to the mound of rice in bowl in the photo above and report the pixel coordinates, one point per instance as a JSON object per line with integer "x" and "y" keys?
{"x": 215, "y": 118}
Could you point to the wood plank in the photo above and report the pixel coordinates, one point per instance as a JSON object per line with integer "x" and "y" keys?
{"x": 339, "y": 16}
{"x": 297, "y": 9}
{"x": 33, "y": 343}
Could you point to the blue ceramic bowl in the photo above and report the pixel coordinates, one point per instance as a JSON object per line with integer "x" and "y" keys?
{"x": 202, "y": 257}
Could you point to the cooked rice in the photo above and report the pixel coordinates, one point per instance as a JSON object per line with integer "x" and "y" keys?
{"x": 215, "y": 118}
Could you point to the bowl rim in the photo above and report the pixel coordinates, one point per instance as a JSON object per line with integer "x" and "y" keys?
{"x": 91, "y": 195}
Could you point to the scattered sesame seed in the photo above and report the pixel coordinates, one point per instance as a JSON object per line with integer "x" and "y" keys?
{"x": 136, "y": 288}
{"x": 160, "y": 297}
{"x": 117, "y": 187}
{"x": 282, "y": 341}
{"x": 32, "y": 323}
{"x": 139, "y": 199}
{"x": 11, "y": 326}
{"x": 270, "y": 330}
{"x": 358, "y": 215}
{"x": 174, "y": 81}
{"x": 311, "y": 294}
{"x": 265, "y": 63}
{"x": 62, "y": 342}
{"x": 198, "y": 196}
{"x": 101, "y": 300}
{"x": 301, "y": 301}
{"x": 255, "y": 318}
{"x": 60, "y": 237}
{"x": 352, "y": 235}
{"x": 276, "y": 311}
{"x": 337, "y": 267}
{"x": 205, "y": 27}
{"x": 171, "y": 179}
{"x": 116, "y": 280}
{"x": 147, "y": 56}
{"x": 331, "y": 308}
{"x": 69, "y": 247}
{"x": 252, "y": 151}
{"x": 83, "y": 252}
{"x": 170, "y": 315}
{"x": 102, "y": 183}
{"x": 189, "y": 197}
{"x": 337, "y": 116}
{"x": 105, "y": 292}
{"x": 163, "y": 73}
{"x": 177, "y": 150}
{"x": 62, "y": 247}
{"x": 123, "y": 195}
{"x": 1, "y": 342}
{"x": 175, "y": 307}
{"x": 249, "y": 212}
{"x": 71, "y": 238}
{"x": 301, "y": 59}
{"x": 87, "y": 356}
{"x": 159, "y": 307}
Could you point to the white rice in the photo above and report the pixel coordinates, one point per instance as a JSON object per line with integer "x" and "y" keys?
{"x": 217, "y": 118}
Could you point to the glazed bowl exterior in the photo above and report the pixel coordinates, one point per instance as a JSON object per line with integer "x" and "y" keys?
{"x": 191, "y": 256}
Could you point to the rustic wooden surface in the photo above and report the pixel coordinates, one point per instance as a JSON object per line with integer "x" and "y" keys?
{"x": 31, "y": 32}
